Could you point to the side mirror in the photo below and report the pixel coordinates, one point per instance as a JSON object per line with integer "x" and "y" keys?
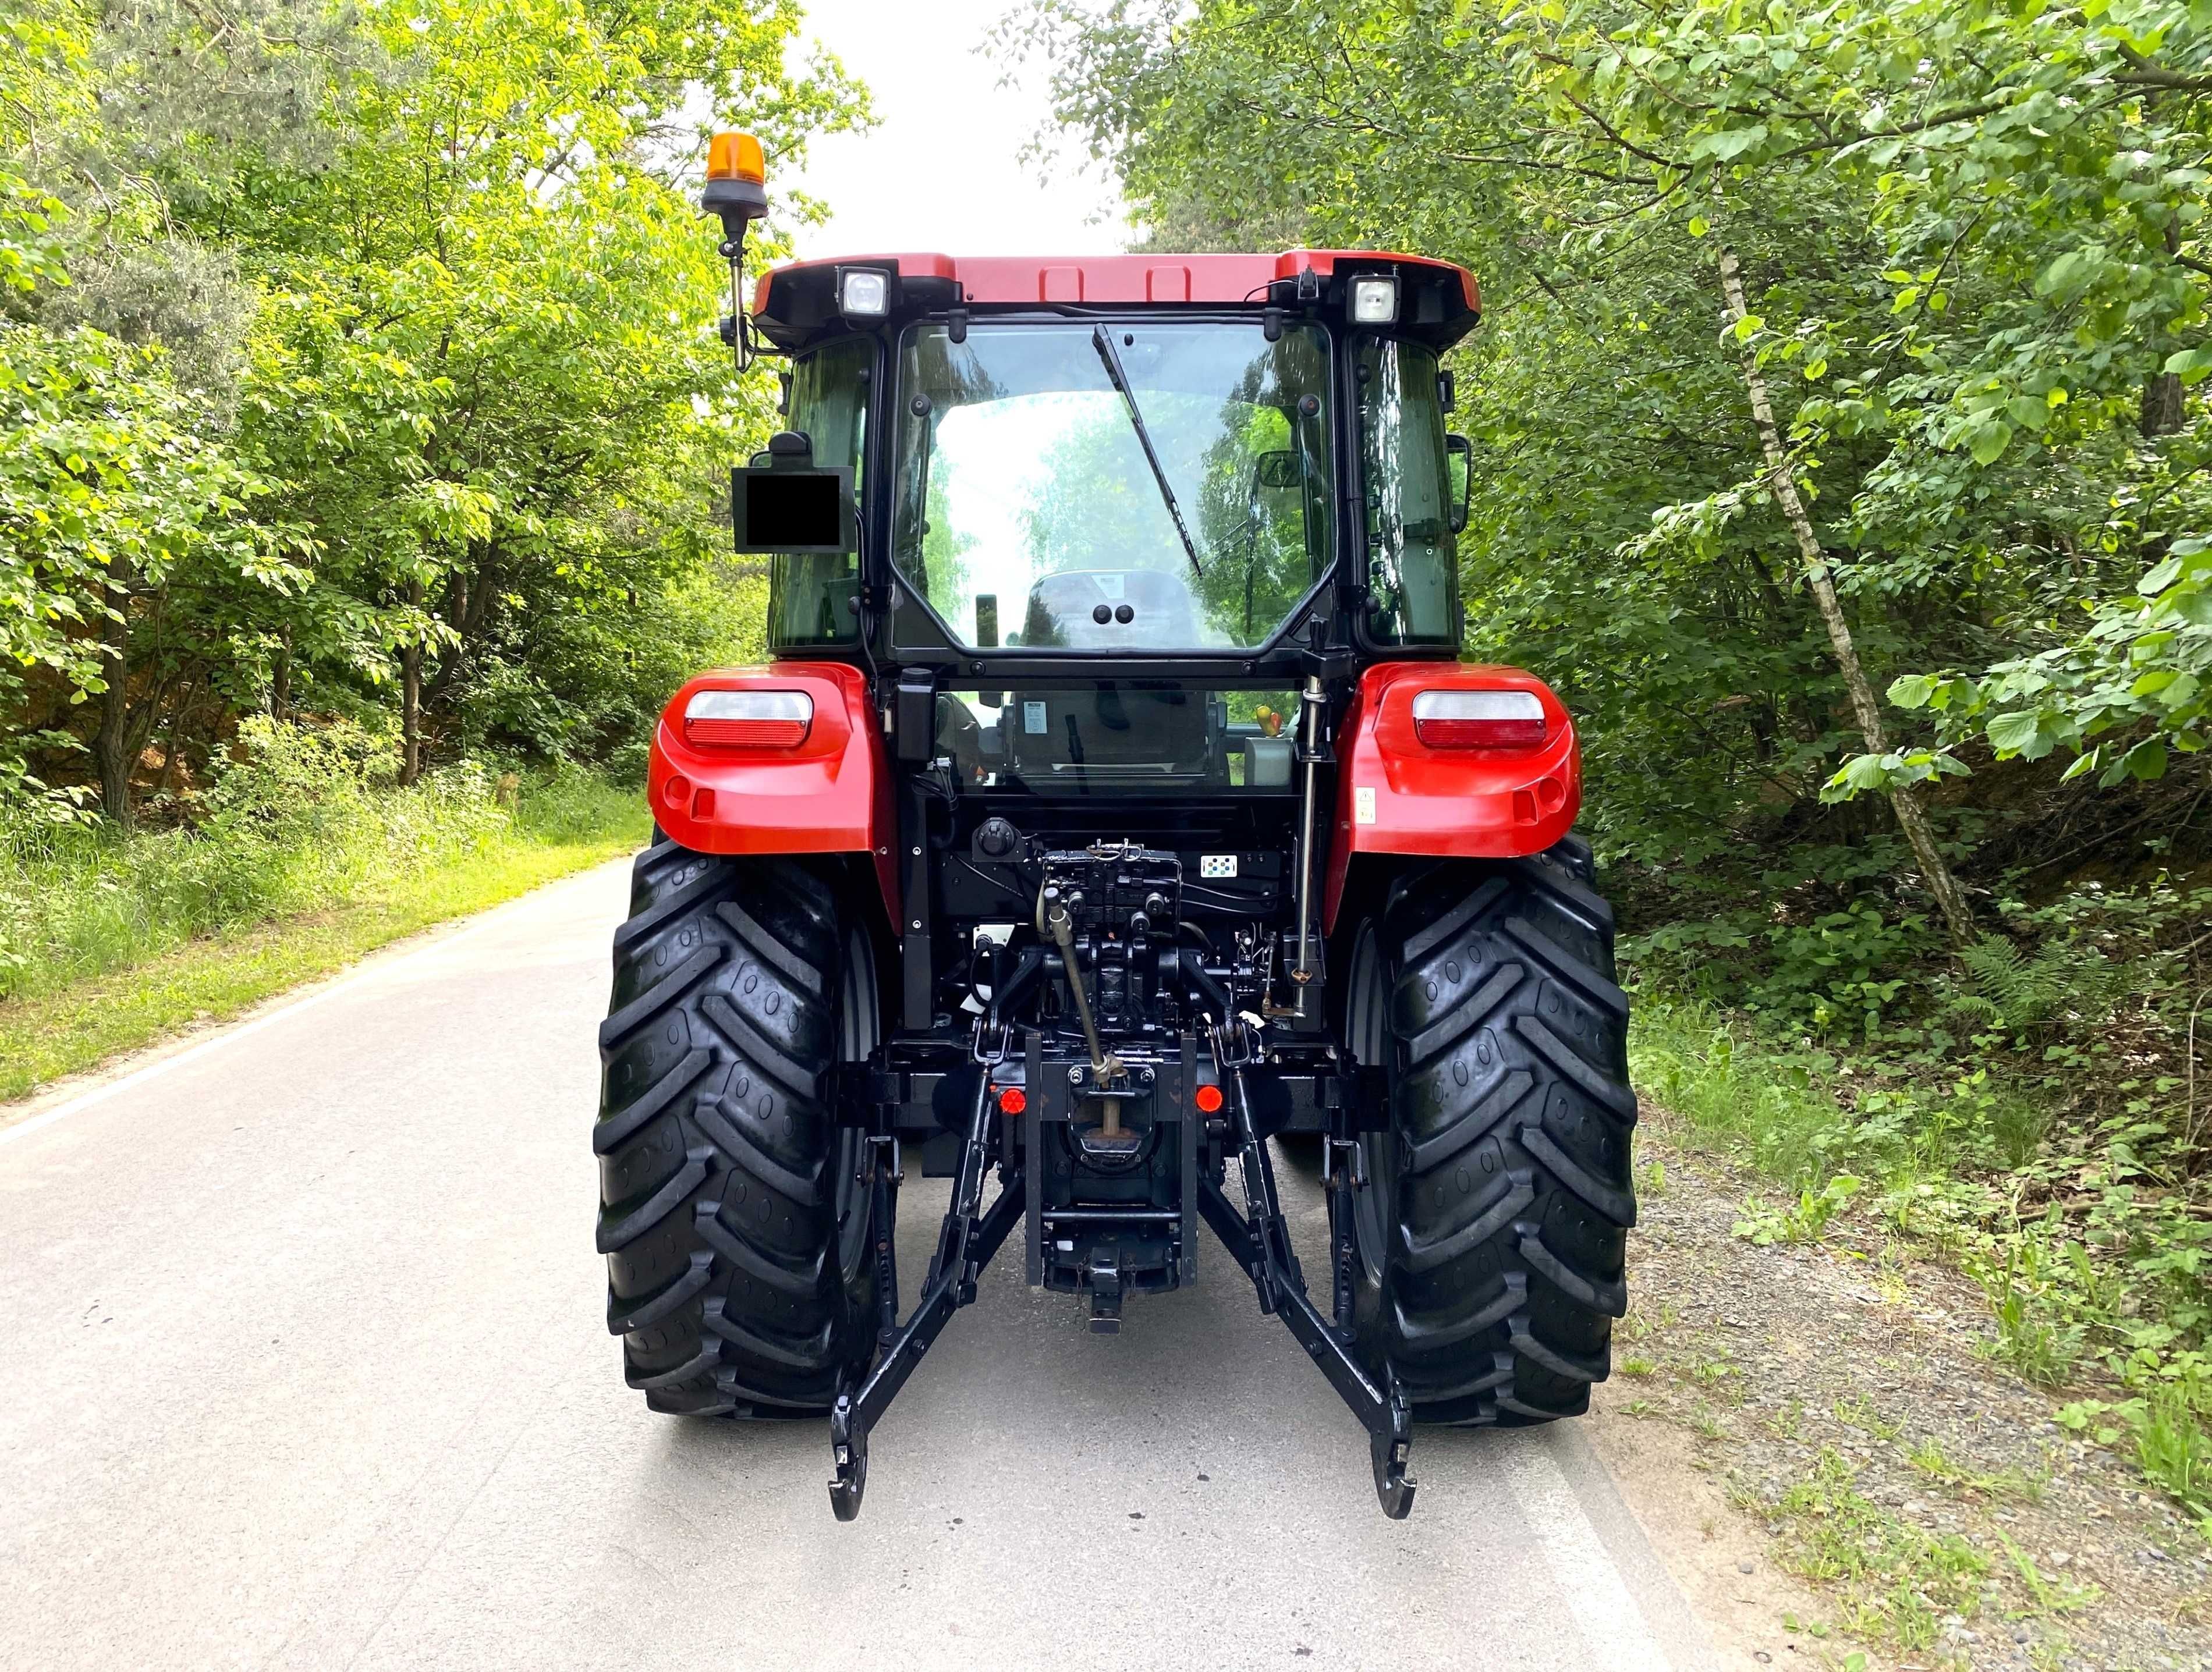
{"x": 1459, "y": 465}
{"x": 786, "y": 504}
{"x": 1276, "y": 472}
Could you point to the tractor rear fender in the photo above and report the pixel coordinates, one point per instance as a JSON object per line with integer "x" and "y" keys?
{"x": 753, "y": 787}
{"x": 1397, "y": 794}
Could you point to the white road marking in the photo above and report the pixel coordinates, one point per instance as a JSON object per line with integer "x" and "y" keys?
{"x": 1612, "y": 1625}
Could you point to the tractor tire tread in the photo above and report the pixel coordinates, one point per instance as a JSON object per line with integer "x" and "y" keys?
{"x": 1514, "y": 1119}
{"x": 720, "y": 1176}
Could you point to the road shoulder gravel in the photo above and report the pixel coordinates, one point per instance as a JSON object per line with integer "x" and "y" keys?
{"x": 1829, "y": 1464}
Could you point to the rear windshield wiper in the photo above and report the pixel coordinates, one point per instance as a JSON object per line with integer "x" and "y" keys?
{"x": 1102, "y": 340}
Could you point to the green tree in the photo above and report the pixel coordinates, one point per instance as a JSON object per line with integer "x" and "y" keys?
{"x": 412, "y": 302}
{"x": 1820, "y": 345}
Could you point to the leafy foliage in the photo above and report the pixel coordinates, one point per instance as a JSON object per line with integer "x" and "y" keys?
{"x": 359, "y": 362}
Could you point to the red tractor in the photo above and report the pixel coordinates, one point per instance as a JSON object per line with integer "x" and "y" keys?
{"x": 1114, "y": 803}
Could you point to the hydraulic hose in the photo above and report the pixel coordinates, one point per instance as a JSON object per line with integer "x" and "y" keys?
{"x": 1312, "y": 702}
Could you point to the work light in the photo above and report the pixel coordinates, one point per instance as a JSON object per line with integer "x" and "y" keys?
{"x": 1374, "y": 301}
{"x": 863, "y": 293}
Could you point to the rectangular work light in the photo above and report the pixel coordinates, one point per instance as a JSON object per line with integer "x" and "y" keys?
{"x": 1479, "y": 719}
{"x": 748, "y": 719}
{"x": 1374, "y": 301}
{"x": 863, "y": 293}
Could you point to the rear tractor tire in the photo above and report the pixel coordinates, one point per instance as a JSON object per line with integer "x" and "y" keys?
{"x": 1493, "y": 1227}
{"x": 735, "y": 1231}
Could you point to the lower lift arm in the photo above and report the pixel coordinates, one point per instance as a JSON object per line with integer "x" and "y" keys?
{"x": 966, "y": 1243}
{"x": 1260, "y": 1239}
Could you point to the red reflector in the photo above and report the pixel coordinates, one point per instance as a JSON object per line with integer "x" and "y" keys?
{"x": 1479, "y": 734}
{"x": 1479, "y": 719}
{"x": 676, "y": 792}
{"x": 1012, "y": 1099}
{"x": 1208, "y": 1099}
{"x": 745, "y": 734}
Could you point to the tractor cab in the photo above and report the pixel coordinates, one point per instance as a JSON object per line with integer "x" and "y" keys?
{"x": 1219, "y": 459}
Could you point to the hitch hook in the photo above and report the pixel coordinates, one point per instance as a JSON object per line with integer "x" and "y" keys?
{"x": 1390, "y": 1448}
{"x": 849, "y": 1450}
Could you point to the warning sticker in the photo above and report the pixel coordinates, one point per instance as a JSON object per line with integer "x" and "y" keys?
{"x": 1033, "y": 724}
{"x": 1362, "y": 807}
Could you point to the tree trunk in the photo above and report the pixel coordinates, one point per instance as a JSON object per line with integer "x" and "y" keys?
{"x": 1912, "y": 817}
{"x": 411, "y": 697}
{"x": 111, "y": 744}
{"x": 280, "y": 679}
{"x": 175, "y": 739}
{"x": 2162, "y": 413}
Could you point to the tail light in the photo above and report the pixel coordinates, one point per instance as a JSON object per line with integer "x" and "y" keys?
{"x": 1479, "y": 719}
{"x": 748, "y": 719}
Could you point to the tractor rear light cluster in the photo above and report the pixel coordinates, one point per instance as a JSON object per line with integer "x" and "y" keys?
{"x": 748, "y": 719}
{"x": 1479, "y": 719}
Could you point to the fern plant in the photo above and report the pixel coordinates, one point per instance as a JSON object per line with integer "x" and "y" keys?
{"x": 2018, "y": 991}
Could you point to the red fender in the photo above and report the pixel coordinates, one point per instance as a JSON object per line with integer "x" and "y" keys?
{"x": 1396, "y": 795}
{"x": 830, "y": 793}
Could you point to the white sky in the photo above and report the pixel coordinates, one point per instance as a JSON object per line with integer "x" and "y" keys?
{"x": 942, "y": 170}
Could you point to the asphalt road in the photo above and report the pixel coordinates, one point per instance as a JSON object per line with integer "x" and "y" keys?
{"x": 305, "y": 1367}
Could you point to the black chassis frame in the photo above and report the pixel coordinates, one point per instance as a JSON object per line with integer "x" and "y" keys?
{"x": 1308, "y": 1082}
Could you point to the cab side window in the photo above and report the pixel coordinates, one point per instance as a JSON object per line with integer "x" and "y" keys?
{"x": 811, "y": 594}
{"x": 1413, "y": 557}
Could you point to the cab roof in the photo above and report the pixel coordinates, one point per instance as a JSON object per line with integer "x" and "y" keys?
{"x": 796, "y": 305}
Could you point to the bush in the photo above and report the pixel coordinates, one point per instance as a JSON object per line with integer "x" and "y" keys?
{"x": 300, "y": 818}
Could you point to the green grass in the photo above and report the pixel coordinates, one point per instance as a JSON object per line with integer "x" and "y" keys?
{"x": 1758, "y": 1104}
{"x": 303, "y": 861}
{"x": 1896, "y": 1579}
{"x": 66, "y": 1032}
{"x": 1930, "y": 1458}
